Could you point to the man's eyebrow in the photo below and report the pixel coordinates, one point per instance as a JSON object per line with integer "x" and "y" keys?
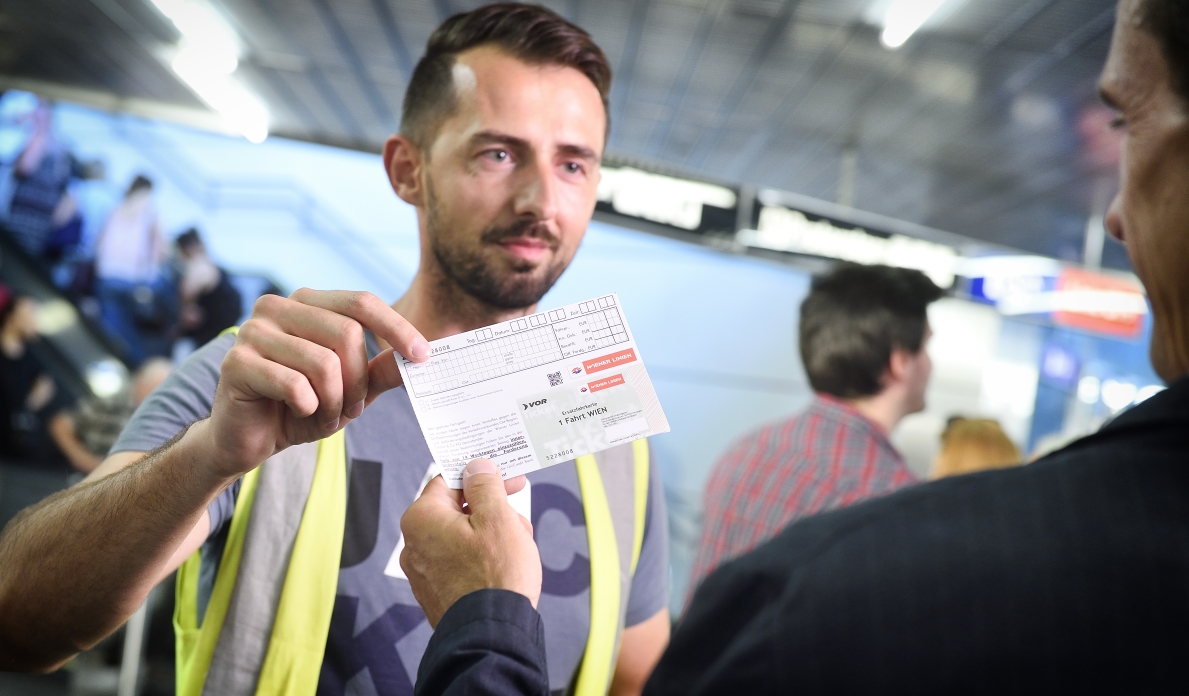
{"x": 1107, "y": 99}
{"x": 488, "y": 136}
{"x": 579, "y": 151}
{"x": 495, "y": 137}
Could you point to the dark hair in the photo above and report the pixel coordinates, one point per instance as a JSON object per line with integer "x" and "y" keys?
{"x": 141, "y": 182}
{"x": 852, "y": 320}
{"x": 530, "y": 33}
{"x": 1168, "y": 21}
{"x": 188, "y": 239}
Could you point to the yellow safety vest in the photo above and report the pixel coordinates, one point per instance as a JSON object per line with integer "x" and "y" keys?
{"x": 299, "y": 625}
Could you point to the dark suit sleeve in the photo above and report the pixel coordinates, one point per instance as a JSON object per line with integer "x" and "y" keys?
{"x": 491, "y": 642}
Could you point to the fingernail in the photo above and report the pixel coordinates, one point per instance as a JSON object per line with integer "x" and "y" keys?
{"x": 419, "y": 349}
{"x": 480, "y": 466}
{"x": 355, "y": 411}
{"x": 332, "y": 425}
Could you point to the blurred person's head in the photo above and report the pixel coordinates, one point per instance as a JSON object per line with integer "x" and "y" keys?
{"x": 863, "y": 334}
{"x": 973, "y": 444}
{"x": 190, "y": 244}
{"x": 141, "y": 184}
{"x": 18, "y": 316}
{"x": 502, "y": 134}
{"x": 1146, "y": 79}
{"x": 148, "y": 377}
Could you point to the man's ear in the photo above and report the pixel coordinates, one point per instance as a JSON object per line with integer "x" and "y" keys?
{"x": 897, "y": 367}
{"x": 403, "y": 161}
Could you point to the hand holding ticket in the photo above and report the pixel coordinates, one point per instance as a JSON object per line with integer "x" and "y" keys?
{"x": 535, "y": 391}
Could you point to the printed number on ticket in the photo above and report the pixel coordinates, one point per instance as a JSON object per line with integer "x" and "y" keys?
{"x": 534, "y": 392}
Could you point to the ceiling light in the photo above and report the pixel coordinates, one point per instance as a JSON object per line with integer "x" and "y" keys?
{"x": 223, "y": 93}
{"x": 903, "y": 19}
{"x": 206, "y": 60}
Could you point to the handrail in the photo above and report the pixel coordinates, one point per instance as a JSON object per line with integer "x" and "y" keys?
{"x": 315, "y": 218}
{"x": 81, "y": 344}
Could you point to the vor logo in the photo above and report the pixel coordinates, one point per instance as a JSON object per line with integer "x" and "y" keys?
{"x": 576, "y": 371}
{"x": 534, "y": 403}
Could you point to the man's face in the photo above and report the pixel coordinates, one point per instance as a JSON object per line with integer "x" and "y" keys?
{"x": 511, "y": 178}
{"x": 1150, "y": 215}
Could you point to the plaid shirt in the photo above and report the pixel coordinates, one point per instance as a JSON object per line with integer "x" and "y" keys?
{"x": 826, "y": 457}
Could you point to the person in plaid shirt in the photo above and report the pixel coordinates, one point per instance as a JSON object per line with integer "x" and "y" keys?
{"x": 863, "y": 334}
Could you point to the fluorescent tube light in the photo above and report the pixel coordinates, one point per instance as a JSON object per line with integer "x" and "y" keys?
{"x": 903, "y": 19}
{"x": 206, "y": 60}
{"x": 224, "y": 93}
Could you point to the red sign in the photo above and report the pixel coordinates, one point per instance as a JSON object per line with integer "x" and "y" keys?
{"x": 1126, "y": 322}
{"x": 606, "y": 383}
{"x": 608, "y": 362}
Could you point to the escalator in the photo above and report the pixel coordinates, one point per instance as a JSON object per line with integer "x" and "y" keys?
{"x": 74, "y": 349}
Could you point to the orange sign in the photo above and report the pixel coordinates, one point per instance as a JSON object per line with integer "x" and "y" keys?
{"x": 608, "y": 362}
{"x": 1115, "y": 321}
{"x": 606, "y": 383}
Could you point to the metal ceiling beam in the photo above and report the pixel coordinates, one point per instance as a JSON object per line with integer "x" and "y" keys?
{"x": 395, "y": 41}
{"x": 1064, "y": 48}
{"x": 680, "y": 87}
{"x": 991, "y": 103}
{"x": 293, "y": 103}
{"x": 444, "y": 8}
{"x": 631, "y": 49}
{"x": 994, "y": 39}
{"x": 112, "y": 101}
{"x": 332, "y": 100}
{"x": 788, "y": 106}
{"x": 330, "y": 22}
{"x": 774, "y": 31}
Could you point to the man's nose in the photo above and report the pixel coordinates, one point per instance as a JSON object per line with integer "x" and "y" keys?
{"x": 538, "y": 192}
{"x": 1114, "y": 218}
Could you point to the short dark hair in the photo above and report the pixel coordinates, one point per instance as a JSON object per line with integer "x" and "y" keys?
{"x": 852, "y": 320}
{"x": 140, "y": 183}
{"x": 531, "y": 33}
{"x": 1168, "y": 21}
{"x": 189, "y": 239}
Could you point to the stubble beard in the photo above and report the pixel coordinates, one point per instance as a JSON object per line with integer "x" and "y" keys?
{"x": 466, "y": 268}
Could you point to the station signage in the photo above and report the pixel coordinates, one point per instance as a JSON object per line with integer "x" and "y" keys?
{"x": 667, "y": 200}
{"x": 1099, "y": 303}
{"x": 787, "y": 230}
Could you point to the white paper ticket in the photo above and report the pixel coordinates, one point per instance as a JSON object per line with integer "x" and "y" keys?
{"x": 535, "y": 391}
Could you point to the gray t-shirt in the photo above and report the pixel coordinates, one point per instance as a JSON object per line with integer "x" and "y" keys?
{"x": 377, "y": 631}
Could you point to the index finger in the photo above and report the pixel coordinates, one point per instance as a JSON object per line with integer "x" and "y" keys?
{"x": 371, "y": 312}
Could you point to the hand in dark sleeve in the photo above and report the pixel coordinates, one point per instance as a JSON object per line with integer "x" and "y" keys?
{"x": 488, "y": 642}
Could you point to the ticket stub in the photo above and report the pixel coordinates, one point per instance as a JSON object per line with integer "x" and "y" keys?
{"x": 534, "y": 391}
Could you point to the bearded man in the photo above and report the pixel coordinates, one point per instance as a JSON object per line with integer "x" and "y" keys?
{"x": 502, "y": 133}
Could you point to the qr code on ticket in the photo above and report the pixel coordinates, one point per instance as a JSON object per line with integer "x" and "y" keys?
{"x": 555, "y": 378}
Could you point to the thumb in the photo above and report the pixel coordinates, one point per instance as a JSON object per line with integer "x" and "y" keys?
{"x": 382, "y": 375}
{"x": 483, "y": 487}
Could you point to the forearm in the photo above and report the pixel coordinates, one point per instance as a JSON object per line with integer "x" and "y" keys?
{"x": 492, "y": 643}
{"x": 75, "y": 566}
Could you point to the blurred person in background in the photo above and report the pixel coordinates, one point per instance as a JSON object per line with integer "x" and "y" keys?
{"x": 973, "y": 444}
{"x": 34, "y": 426}
{"x": 500, "y": 148}
{"x": 209, "y": 302}
{"x": 863, "y": 337}
{"x": 136, "y": 299}
{"x": 97, "y": 422}
{"x": 1068, "y": 575}
{"x": 39, "y": 204}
